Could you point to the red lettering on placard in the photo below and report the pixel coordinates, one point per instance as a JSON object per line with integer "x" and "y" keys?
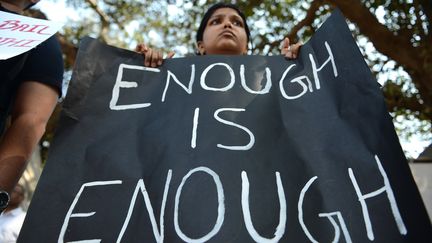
{"x": 9, "y": 24}
{"x": 42, "y": 29}
{"x": 12, "y": 42}
{"x": 21, "y": 28}
{"x": 16, "y": 25}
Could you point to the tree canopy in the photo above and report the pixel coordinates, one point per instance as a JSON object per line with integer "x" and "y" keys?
{"x": 394, "y": 36}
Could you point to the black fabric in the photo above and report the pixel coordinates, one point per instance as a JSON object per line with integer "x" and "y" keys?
{"x": 45, "y": 65}
{"x": 42, "y": 64}
{"x": 8, "y": 88}
{"x": 121, "y": 171}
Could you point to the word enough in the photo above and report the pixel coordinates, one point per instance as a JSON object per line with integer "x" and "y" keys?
{"x": 335, "y": 218}
{"x": 303, "y": 81}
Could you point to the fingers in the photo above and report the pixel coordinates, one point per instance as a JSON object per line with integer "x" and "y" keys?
{"x": 148, "y": 57}
{"x": 152, "y": 57}
{"x": 158, "y": 59}
{"x": 170, "y": 54}
{"x": 286, "y": 43}
{"x": 285, "y": 46}
{"x": 138, "y": 48}
{"x": 295, "y": 49}
{"x": 141, "y": 48}
{"x": 290, "y": 51}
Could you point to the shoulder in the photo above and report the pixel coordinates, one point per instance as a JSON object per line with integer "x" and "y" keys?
{"x": 44, "y": 64}
{"x": 50, "y": 47}
{"x": 47, "y": 55}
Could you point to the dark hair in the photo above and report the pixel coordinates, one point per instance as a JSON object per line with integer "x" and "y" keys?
{"x": 210, "y": 12}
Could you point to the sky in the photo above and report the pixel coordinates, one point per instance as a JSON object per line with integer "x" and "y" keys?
{"x": 57, "y": 10}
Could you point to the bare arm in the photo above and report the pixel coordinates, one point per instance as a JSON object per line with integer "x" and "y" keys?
{"x": 33, "y": 106}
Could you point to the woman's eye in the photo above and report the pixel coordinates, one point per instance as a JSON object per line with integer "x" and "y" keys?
{"x": 237, "y": 23}
{"x": 215, "y": 21}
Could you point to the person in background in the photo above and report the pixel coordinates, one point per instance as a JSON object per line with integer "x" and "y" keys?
{"x": 30, "y": 85}
{"x": 223, "y": 31}
{"x": 12, "y": 218}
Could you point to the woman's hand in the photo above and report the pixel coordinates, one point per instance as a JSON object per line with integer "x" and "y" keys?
{"x": 152, "y": 58}
{"x": 290, "y": 51}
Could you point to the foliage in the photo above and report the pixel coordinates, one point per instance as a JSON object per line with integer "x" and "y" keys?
{"x": 394, "y": 37}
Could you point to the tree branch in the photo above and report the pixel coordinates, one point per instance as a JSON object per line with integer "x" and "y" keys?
{"x": 384, "y": 40}
{"x": 105, "y": 19}
{"x": 419, "y": 23}
{"x": 102, "y": 16}
{"x": 69, "y": 50}
{"x": 397, "y": 99}
{"x": 427, "y": 10}
{"x": 307, "y": 21}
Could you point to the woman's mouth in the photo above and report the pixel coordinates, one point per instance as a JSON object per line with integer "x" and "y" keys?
{"x": 228, "y": 34}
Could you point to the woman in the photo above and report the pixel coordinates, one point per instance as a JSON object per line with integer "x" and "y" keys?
{"x": 223, "y": 31}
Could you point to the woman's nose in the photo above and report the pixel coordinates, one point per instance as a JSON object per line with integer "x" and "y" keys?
{"x": 227, "y": 24}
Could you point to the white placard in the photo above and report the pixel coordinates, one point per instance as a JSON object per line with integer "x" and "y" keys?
{"x": 19, "y": 34}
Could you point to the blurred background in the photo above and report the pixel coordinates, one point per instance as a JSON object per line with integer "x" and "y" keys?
{"x": 394, "y": 37}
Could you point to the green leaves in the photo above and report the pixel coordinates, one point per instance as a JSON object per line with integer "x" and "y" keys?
{"x": 171, "y": 25}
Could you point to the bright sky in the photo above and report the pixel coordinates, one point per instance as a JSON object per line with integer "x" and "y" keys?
{"x": 57, "y": 11}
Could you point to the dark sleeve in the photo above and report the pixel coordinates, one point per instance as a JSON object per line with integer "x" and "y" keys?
{"x": 44, "y": 64}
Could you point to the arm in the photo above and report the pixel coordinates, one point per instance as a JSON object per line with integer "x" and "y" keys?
{"x": 33, "y": 106}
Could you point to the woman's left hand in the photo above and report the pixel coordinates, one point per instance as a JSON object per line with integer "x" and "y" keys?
{"x": 152, "y": 58}
{"x": 290, "y": 51}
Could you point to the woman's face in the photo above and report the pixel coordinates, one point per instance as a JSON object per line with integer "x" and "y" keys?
{"x": 224, "y": 34}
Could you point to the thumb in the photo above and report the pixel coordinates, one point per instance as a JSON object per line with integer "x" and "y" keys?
{"x": 141, "y": 48}
{"x": 170, "y": 54}
{"x": 286, "y": 42}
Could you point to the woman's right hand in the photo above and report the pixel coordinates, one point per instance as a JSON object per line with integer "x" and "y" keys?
{"x": 290, "y": 51}
{"x": 152, "y": 58}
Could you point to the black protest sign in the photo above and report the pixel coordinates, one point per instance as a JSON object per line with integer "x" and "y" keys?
{"x": 227, "y": 149}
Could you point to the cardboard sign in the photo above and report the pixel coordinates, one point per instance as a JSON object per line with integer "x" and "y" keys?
{"x": 19, "y": 34}
{"x": 227, "y": 149}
